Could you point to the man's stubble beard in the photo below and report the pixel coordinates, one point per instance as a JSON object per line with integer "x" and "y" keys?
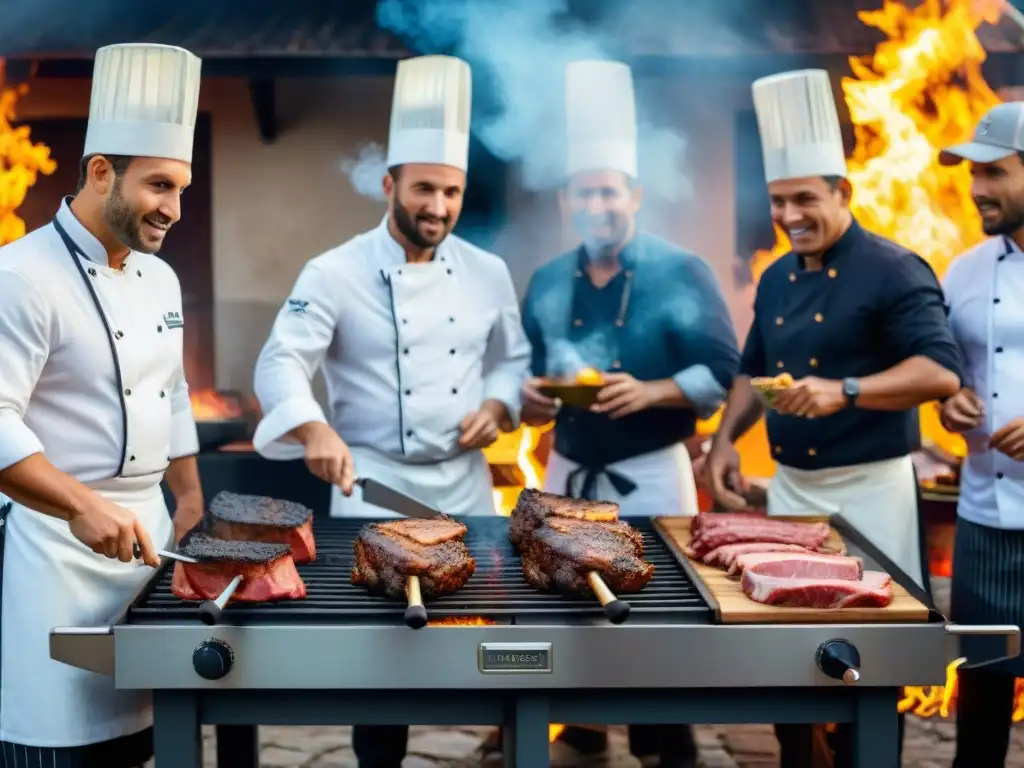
{"x": 124, "y": 222}
{"x": 406, "y": 224}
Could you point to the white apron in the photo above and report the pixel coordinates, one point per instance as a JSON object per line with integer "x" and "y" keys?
{"x": 879, "y": 499}
{"x": 52, "y": 580}
{"x": 665, "y": 485}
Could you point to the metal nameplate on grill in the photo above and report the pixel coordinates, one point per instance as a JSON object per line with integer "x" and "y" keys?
{"x": 514, "y": 658}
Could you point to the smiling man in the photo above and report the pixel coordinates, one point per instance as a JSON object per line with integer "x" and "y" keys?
{"x": 860, "y": 324}
{"x": 418, "y": 334}
{"x": 95, "y": 412}
{"x": 985, "y": 293}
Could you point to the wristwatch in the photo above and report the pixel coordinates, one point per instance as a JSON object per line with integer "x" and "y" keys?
{"x": 851, "y": 389}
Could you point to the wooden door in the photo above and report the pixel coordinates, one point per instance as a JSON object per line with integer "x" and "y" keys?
{"x": 188, "y": 247}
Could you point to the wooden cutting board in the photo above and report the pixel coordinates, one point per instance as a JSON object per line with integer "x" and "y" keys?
{"x": 733, "y": 607}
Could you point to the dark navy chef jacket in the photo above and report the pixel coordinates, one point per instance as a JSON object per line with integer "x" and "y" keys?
{"x": 873, "y": 305}
{"x": 662, "y": 316}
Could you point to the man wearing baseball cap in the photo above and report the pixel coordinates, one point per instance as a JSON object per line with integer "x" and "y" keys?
{"x": 983, "y": 292}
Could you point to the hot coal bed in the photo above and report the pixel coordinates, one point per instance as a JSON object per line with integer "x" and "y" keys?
{"x": 499, "y": 653}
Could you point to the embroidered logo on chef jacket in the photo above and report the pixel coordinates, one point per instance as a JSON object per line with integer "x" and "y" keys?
{"x": 297, "y": 306}
{"x": 173, "y": 320}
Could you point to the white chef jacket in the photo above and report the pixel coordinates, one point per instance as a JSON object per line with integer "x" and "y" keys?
{"x": 985, "y": 293}
{"x": 408, "y": 350}
{"x": 60, "y": 395}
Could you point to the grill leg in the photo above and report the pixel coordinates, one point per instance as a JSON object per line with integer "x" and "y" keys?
{"x": 238, "y": 746}
{"x": 177, "y": 738}
{"x": 874, "y": 732}
{"x": 526, "y": 733}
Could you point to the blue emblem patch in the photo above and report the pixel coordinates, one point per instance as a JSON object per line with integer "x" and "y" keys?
{"x": 297, "y": 306}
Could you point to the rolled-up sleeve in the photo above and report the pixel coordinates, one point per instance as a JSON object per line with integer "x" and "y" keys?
{"x": 25, "y": 339}
{"x": 299, "y": 339}
{"x": 915, "y": 321}
{"x": 508, "y": 350}
{"x": 706, "y": 334}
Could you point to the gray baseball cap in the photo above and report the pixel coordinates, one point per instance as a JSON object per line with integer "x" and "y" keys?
{"x": 999, "y": 134}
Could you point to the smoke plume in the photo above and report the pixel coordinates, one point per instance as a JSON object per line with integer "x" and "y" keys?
{"x": 518, "y": 50}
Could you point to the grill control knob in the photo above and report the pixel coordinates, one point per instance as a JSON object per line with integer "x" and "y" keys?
{"x": 213, "y": 659}
{"x": 840, "y": 660}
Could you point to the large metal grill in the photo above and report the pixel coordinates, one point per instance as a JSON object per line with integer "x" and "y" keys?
{"x": 497, "y": 591}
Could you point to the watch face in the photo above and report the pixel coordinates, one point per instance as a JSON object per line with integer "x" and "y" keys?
{"x": 851, "y": 388}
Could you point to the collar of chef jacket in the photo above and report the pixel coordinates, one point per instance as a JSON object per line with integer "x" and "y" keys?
{"x": 87, "y": 243}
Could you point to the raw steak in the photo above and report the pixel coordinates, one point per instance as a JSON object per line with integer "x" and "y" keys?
{"x": 240, "y": 517}
{"x": 809, "y": 535}
{"x": 725, "y": 556}
{"x": 268, "y": 570}
{"x": 795, "y": 565}
{"x": 387, "y": 553}
{"x": 533, "y": 507}
{"x": 873, "y": 591}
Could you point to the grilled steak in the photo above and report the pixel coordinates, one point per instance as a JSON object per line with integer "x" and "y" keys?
{"x": 560, "y": 552}
{"x": 268, "y": 570}
{"x": 738, "y": 530}
{"x": 241, "y": 517}
{"x": 873, "y": 591}
{"x": 796, "y": 565}
{"x": 386, "y": 553}
{"x": 532, "y": 507}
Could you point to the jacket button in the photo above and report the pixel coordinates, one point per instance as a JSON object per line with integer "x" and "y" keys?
{"x": 138, "y": 272}
{"x": 819, "y": 318}
{"x": 792, "y": 277}
{"x": 451, "y": 351}
{"x": 451, "y": 319}
{"x": 408, "y": 433}
{"x": 995, "y": 300}
{"x": 449, "y": 271}
{"x": 131, "y": 458}
{"x": 577, "y": 322}
{"x": 999, "y": 475}
{"x": 405, "y": 351}
{"x": 995, "y": 394}
{"x": 999, "y": 349}
{"x": 616, "y": 365}
{"x": 119, "y": 335}
{"x": 814, "y": 362}
{"x": 780, "y": 364}
{"x": 92, "y": 272}
{"x": 128, "y": 392}
{"x": 812, "y": 452}
{"x": 408, "y": 392}
{"x": 777, "y": 450}
{"x": 163, "y": 394}
{"x": 159, "y": 329}
{"x": 620, "y": 322}
{"x": 832, "y": 273}
{"x": 405, "y": 321}
{"x": 779, "y": 321}
{"x": 455, "y": 391}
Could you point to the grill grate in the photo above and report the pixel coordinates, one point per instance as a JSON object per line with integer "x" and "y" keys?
{"x": 497, "y": 591}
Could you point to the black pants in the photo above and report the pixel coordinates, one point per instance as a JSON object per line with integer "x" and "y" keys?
{"x": 670, "y": 742}
{"x": 125, "y": 752}
{"x": 984, "y": 713}
{"x": 380, "y": 746}
{"x": 796, "y": 745}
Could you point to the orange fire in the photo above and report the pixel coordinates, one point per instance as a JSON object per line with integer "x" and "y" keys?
{"x": 21, "y": 162}
{"x": 210, "y": 405}
{"x": 921, "y": 90}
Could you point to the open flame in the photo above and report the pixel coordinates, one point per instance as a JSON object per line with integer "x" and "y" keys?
{"x": 21, "y": 162}
{"x": 920, "y": 91}
{"x": 210, "y": 405}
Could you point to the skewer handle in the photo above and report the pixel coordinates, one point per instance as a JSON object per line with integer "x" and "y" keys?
{"x": 210, "y": 610}
{"x": 616, "y": 610}
{"x": 415, "y": 614}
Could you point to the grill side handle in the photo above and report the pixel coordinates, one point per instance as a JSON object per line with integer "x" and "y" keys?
{"x": 1010, "y": 631}
{"x": 88, "y": 648}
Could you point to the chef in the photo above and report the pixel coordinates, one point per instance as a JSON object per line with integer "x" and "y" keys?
{"x": 984, "y": 289}
{"x": 857, "y": 320}
{"x": 418, "y": 334}
{"x": 648, "y": 315}
{"x": 94, "y": 412}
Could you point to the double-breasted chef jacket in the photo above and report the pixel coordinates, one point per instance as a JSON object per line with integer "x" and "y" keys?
{"x": 93, "y": 379}
{"x": 662, "y": 316}
{"x": 872, "y": 305}
{"x": 407, "y": 351}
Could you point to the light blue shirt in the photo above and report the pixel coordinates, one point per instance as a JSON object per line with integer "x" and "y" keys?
{"x": 985, "y": 294}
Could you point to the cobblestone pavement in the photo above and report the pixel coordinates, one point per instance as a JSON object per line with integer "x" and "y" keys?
{"x": 929, "y": 744}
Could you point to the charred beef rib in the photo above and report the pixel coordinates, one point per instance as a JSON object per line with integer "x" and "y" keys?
{"x": 561, "y": 551}
{"x": 240, "y": 517}
{"x": 533, "y": 507}
{"x": 432, "y": 549}
{"x": 268, "y": 570}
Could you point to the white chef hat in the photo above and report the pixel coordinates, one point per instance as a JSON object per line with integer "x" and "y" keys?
{"x": 799, "y": 125}
{"x": 600, "y": 116}
{"x": 430, "y": 112}
{"x": 144, "y": 101}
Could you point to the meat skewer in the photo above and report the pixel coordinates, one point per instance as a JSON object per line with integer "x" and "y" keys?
{"x": 416, "y": 613}
{"x": 413, "y": 559}
{"x": 209, "y": 611}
